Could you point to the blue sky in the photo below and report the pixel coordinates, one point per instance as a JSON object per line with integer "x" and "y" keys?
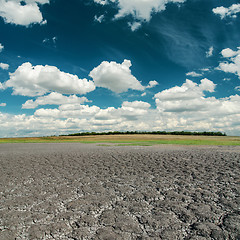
{"x": 118, "y": 65}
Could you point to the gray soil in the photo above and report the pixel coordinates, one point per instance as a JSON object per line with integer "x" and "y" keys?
{"x": 84, "y": 191}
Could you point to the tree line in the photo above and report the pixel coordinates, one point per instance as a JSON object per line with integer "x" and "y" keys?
{"x": 153, "y": 132}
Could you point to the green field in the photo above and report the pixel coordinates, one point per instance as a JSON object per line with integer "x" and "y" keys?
{"x": 143, "y": 140}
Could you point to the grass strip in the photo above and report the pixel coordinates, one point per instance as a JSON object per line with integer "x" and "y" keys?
{"x": 121, "y": 142}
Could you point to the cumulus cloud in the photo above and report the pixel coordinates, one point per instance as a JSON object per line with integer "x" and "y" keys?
{"x": 187, "y": 98}
{"x": 135, "y": 105}
{"x": 188, "y": 91}
{"x": 102, "y": 2}
{"x": 12, "y": 11}
{"x": 228, "y": 53}
{"x": 68, "y": 111}
{"x": 232, "y": 64}
{"x": 3, "y": 104}
{"x": 141, "y": 10}
{"x": 179, "y": 108}
{"x": 194, "y": 74}
{"x": 227, "y": 12}
{"x": 134, "y": 26}
{"x": 186, "y": 107}
{"x": 115, "y": 77}
{"x": 152, "y": 84}
{"x": 38, "y": 80}
{"x": 129, "y": 111}
{"x": 54, "y": 98}
{"x": 209, "y": 53}
{"x": 132, "y": 110}
{"x": 4, "y": 66}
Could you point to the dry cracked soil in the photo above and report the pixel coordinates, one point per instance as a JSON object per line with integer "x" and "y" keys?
{"x": 76, "y": 191}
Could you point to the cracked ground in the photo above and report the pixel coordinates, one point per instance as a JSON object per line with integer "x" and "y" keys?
{"x": 76, "y": 191}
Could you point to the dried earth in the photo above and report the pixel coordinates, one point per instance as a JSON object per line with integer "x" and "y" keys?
{"x": 76, "y": 191}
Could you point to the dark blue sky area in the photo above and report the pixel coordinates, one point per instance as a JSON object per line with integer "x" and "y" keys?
{"x": 177, "y": 38}
{"x": 165, "y": 48}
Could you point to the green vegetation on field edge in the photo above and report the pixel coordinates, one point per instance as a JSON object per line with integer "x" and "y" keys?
{"x": 183, "y": 142}
{"x": 144, "y": 141}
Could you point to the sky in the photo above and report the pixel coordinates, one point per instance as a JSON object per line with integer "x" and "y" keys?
{"x": 119, "y": 65}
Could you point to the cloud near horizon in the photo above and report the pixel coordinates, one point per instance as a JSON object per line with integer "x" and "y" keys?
{"x": 54, "y": 98}
{"x": 182, "y": 107}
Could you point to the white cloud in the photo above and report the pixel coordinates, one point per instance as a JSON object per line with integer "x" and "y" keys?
{"x": 227, "y": 12}
{"x": 227, "y": 79}
{"x": 143, "y": 94}
{"x": 99, "y": 19}
{"x": 232, "y": 65}
{"x": 12, "y": 11}
{"x": 67, "y": 111}
{"x": 179, "y": 108}
{"x": 50, "y": 41}
{"x": 54, "y": 39}
{"x": 134, "y": 26}
{"x": 1, "y": 86}
{"x": 38, "y": 80}
{"x": 186, "y": 107}
{"x": 102, "y": 2}
{"x": 116, "y": 77}
{"x": 209, "y": 53}
{"x": 228, "y": 53}
{"x": 141, "y": 10}
{"x": 49, "y": 113}
{"x": 152, "y": 84}
{"x": 237, "y": 88}
{"x": 3, "y": 104}
{"x": 136, "y": 105}
{"x": 188, "y": 91}
{"x": 1, "y": 47}
{"x": 54, "y": 98}
{"x": 78, "y": 111}
{"x": 129, "y": 111}
{"x": 194, "y": 74}
{"x": 4, "y": 66}
{"x": 207, "y": 110}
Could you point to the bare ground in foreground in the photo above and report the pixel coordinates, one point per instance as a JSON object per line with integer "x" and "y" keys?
{"x": 84, "y": 191}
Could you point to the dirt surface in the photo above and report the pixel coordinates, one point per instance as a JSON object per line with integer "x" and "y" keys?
{"x": 84, "y": 191}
